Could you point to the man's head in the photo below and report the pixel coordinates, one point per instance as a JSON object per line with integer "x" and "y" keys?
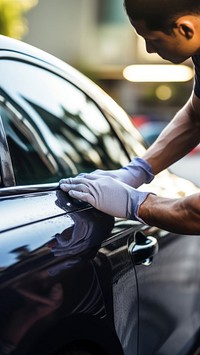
{"x": 160, "y": 15}
{"x": 170, "y": 28}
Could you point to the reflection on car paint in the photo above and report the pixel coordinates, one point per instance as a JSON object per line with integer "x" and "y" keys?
{"x": 54, "y": 261}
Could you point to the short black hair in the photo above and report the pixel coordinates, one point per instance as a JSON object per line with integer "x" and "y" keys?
{"x": 160, "y": 14}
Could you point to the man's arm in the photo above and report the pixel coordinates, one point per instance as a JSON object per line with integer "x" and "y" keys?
{"x": 120, "y": 200}
{"x": 110, "y": 196}
{"x": 180, "y": 136}
{"x": 176, "y": 215}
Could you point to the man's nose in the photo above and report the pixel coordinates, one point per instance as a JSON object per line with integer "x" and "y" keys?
{"x": 149, "y": 47}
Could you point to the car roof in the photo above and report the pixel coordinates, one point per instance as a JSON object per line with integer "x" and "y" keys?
{"x": 13, "y": 45}
{"x": 8, "y": 44}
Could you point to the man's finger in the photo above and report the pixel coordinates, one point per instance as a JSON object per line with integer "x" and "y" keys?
{"x": 83, "y": 196}
{"x": 77, "y": 187}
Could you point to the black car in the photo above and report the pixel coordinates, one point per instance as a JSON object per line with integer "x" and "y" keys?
{"x": 72, "y": 279}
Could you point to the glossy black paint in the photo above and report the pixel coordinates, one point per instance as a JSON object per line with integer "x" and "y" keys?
{"x": 48, "y": 273}
{"x": 175, "y": 276}
{"x": 71, "y": 275}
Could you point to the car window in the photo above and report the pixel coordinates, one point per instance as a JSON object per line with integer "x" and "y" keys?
{"x": 53, "y": 129}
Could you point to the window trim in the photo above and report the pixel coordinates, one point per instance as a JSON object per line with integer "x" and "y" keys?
{"x": 27, "y": 189}
{"x": 6, "y": 168}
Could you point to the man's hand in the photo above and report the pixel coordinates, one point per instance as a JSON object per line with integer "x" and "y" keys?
{"x": 105, "y": 194}
{"x": 136, "y": 173}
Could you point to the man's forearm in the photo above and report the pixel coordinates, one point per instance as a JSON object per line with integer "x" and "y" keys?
{"x": 175, "y": 215}
{"x": 177, "y": 139}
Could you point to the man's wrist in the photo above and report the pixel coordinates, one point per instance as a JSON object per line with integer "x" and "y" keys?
{"x": 140, "y": 172}
{"x": 146, "y": 167}
{"x": 145, "y": 208}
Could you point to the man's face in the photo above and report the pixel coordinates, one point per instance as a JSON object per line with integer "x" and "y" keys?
{"x": 172, "y": 47}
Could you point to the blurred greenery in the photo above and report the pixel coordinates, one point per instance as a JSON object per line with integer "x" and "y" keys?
{"x": 12, "y": 17}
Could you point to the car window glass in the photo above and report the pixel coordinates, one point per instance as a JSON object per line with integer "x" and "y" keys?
{"x": 53, "y": 129}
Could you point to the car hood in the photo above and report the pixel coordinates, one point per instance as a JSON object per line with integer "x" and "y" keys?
{"x": 170, "y": 185}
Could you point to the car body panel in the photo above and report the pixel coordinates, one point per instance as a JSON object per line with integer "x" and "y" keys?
{"x": 47, "y": 267}
{"x": 69, "y": 273}
{"x": 27, "y": 208}
{"x": 175, "y": 277}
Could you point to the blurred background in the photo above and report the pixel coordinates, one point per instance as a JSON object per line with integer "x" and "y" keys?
{"x": 95, "y": 36}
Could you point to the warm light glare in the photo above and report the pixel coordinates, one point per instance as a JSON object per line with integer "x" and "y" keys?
{"x": 158, "y": 73}
{"x": 163, "y": 92}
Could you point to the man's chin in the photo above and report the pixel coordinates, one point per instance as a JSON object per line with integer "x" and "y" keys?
{"x": 176, "y": 60}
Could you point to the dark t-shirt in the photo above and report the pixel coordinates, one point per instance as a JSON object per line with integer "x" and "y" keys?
{"x": 196, "y": 61}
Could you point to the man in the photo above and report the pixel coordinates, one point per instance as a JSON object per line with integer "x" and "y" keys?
{"x": 170, "y": 28}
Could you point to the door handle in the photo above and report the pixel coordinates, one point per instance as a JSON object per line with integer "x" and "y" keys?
{"x": 143, "y": 248}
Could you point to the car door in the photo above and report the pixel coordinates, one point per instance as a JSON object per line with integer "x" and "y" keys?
{"x": 168, "y": 291}
{"x": 129, "y": 245}
{"x": 53, "y": 129}
{"x": 166, "y": 278}
{"x": 49, "y": 290}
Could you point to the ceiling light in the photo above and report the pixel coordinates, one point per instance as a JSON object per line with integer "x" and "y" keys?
{"x": 158, "y": 73}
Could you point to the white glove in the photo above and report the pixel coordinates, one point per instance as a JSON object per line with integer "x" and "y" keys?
{"x": 105, "y": 194}
{"x": 136, "y": 173}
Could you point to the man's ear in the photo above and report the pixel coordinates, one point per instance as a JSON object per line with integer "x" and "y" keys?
{"x": 185, "y": 27}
